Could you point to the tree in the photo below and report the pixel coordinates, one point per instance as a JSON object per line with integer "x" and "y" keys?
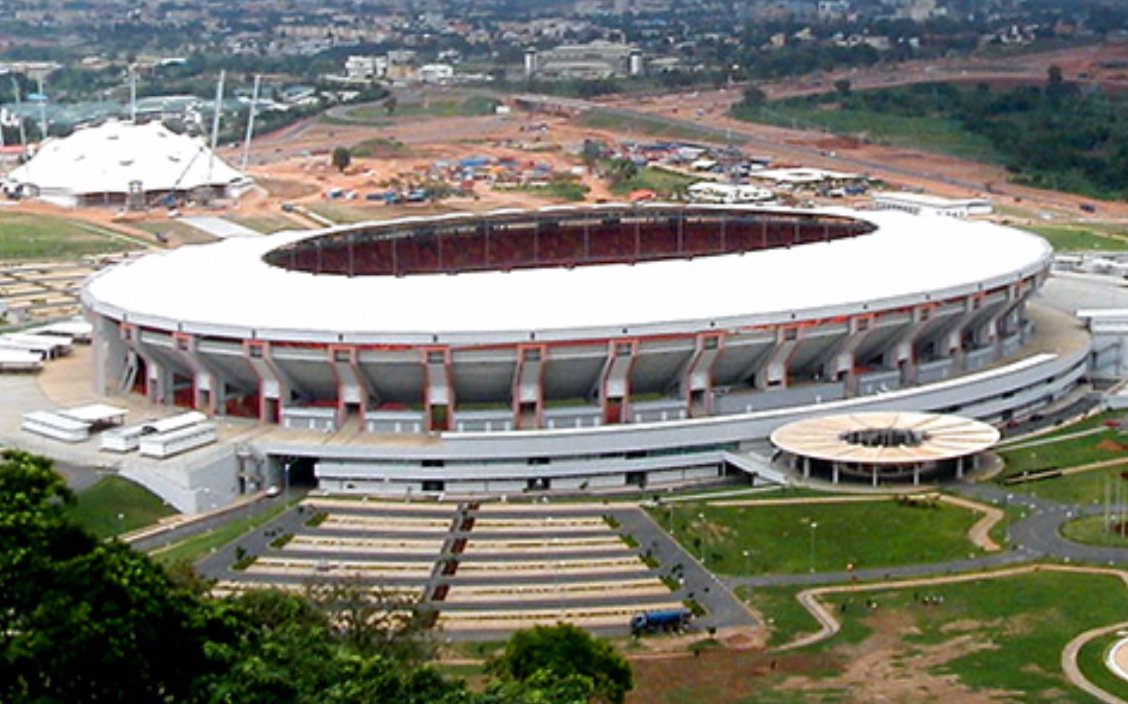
{"x": 622, "y": 170}
{"x": 754, "y": 97}
{"x": 567, "y": 656}
{"x": 341, "y": 158}
{"x": 590, "y": 153}
{"x": 82, "y": 620}
{"x": 390, "y": 104}
{"x": 843, "y": 86}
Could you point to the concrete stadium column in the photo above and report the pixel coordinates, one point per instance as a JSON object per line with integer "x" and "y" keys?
{"x": 112, "y": 356}
{"x": 352, "y": 392}
{"x": 840, "y": 364}
{"x": 207, "y": 386}
{"x": 158, "y": 381}
{"x": 438, "y": 395}
{"x": 274, "y": 386}
{"x": 774, "y": 372}
{"x": 902, "y": 353}
{"x": 528, "y": 388}
{"x": 697, "y": 376}
{"x": 954, "y": 343}
{"x": 615, "y": 381}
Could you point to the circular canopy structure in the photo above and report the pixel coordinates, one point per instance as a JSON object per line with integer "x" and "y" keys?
{"x": 886, "y": 445}
{"x": 887, "y": 439}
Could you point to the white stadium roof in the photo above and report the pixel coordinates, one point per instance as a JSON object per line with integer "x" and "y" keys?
{"x": 227, "y": 289}
{"x": 108, "y": 157}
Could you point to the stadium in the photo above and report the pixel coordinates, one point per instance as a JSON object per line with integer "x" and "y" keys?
{"x": 579, "y": 347}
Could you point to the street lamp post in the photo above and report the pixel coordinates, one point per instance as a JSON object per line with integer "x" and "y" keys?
{"x": 747, "y": 561}
{"x": 814, "y": 525}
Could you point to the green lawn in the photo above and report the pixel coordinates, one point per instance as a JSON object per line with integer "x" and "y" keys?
{"x": 341, "y": 213}
{"x": 1091, "y": 660}
{"x": 1076, "y": 238}
{"x": 379, "y": 148}
{"x": 780, "y": 539}
{"x": 561, "y": 189}
{"x": 782, "y": 612}
{"x": 652, "y": 127}
{"x": 183, "y": 232}
{"x": 666, "y": 184}
{"x": 922, "y": 132}
{"x": 29, "y": 236}
{"x": 435, "y": 107}
{"x": 1084, "y": 488}
{"x": 1092, "y": 530}
{"x": 198, "y": 547}
{"x": 115, "y": 505}
{"x": 269, "y": 224}
{"x": 1023, "y": 621}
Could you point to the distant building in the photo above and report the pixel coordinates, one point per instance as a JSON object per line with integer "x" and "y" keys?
{"x": 595, "y": 60}
{"x": 366, "y": 68}
{"x": 922, "y": 204}
{"x": 436, "y": 73}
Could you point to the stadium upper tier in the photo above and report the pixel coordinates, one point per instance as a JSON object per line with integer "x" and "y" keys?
{"x": 564, "y": 317}
{"x": 563, "y": 274}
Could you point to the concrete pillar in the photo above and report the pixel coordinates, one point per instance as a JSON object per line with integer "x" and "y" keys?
{"x": 274, "y": 384}
{"x": 916, "y": 475}
{"x": 775, "y": 371}
{"x": 806, "y": 467}
{"x": 352, "y": 391}
{"x": 111, "y": 355}
{"x": 615, "y": 381}
{"x": 834, "y": 473}
{"x": 697, "y": 376}
{"x": 207, "y": 384}
{"x": 438, "y": 396}
{"x": 528, "y": 387}
{"x": 874, "y": 471}
{"x": 960, "y": 468}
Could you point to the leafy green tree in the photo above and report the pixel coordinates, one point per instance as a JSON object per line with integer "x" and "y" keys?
{"x": 754, "y": 97}
{"x": 842, "y": 86}
{"x": 341, "y": 158}
{"x": 564, "y": 656}
{"x": 82, "y": 620}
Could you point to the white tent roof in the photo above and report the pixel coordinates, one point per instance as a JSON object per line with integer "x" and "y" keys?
{"x": 106, "y": 158}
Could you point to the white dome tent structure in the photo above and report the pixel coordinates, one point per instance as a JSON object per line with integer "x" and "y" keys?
{"x": 119, "y": 163}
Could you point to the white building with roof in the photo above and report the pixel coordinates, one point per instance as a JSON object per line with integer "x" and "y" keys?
{"x": 113, "y": 162}
{"x": 923, "y": 204}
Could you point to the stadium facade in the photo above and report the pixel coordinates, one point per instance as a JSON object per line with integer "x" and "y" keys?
{"x": 578, "y": 347}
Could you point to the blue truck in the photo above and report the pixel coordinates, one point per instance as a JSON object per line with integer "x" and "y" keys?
{"x": 660, "y": 620}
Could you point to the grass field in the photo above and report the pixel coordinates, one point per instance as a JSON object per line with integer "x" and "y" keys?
{"x": 665, "y": 183}
{"x": 1028, "y": 619}
{"x": 780, "y": 538}
{"x": 379, "y": 148}
{"x": 1091, "y": 660}
{"x": 1092, "y": 530}
{"x": 1000, "y": 637}
{"x": 269, "y": 224}
{"x": 569, "y": 191}
{"x": 115, "y": 505}
{"x": 650, "y": 127}
{"x": 340, "y": 213}
{"x": 1084, "y": 488}
{"x": 923, "y": 132}
{"x": 1081, "y": 238}
{"x": 197, "y": 547}
{"x": 449, "y": 107}
{"x": 28, "y": 236}
{"x": 782, "y": 612}
{"x": 183, "y": 232}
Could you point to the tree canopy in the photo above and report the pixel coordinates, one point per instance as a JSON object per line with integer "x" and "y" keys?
{"x": 85, "y": 620}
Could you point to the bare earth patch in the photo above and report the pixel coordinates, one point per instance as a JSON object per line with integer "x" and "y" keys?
{"x": 884, "y": 668}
